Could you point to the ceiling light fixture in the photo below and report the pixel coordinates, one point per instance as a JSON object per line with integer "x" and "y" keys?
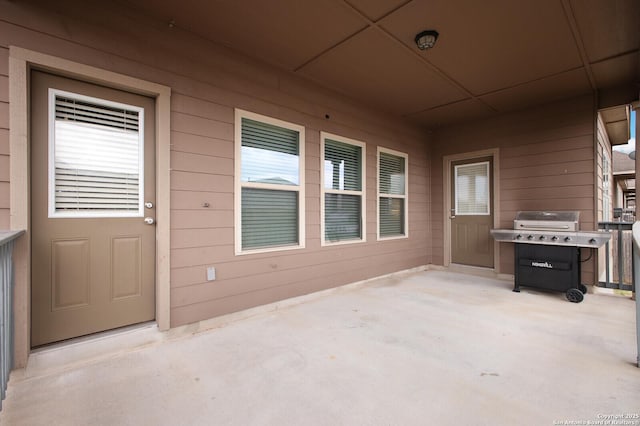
{"x": 426, "y": 39}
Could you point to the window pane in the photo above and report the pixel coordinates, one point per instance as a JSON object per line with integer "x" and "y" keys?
{"x": 472, "y": 189}
{"x": 391, "y": 170}
{"x": 97, "y": 152}
{"x": 391, "y": 216}
{"x": 269, "y": 218}
{"x": 270, "y": 154}
{"x": 342, "y": 166}
{"x": 342, "y": 217}
{"x": 262, "y": 166}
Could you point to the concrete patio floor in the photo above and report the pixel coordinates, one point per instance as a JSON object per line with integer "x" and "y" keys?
{"x": 430, "y": 347}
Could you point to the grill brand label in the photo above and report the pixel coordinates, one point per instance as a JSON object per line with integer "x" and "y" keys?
{"x": 542, "y": 265}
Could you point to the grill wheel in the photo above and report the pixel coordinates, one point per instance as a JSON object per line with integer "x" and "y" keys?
{"x": 574, "y": 295}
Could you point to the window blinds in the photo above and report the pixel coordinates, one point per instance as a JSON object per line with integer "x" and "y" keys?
{"x": 392, "y": 178}
{"x": 269, "y": 161}
{"x": 270, "y": 154}
{"x": 342, "y": 172}
{"x": 343, "y": 166}
{"x": 391, "y": 216}
{"x": 97, "y": 152}
{"x": 391, "y": 174}
{"x": 269, "y": 218}
{"x": 342, "y": 217}
{"x": 472, "y": 189}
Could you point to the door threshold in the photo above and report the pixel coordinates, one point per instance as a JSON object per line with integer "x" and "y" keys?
{"x": 72, "y": 353}
{"x": 480, "y": 271}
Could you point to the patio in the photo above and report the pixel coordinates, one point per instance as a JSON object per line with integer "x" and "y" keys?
{"x": 432, "y": 347}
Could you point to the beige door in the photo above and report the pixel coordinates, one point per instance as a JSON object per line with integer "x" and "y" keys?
{"x": 92, "y": 171}
{"x": 472, "y": 212}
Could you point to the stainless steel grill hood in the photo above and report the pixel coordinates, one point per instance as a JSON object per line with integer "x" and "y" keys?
{"x": 551, "y": 228}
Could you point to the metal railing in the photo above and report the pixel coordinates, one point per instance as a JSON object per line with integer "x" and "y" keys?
{"x": 7, "y": 240}
{"x": 619, "y": 251}
{"x": 636, "y": 274}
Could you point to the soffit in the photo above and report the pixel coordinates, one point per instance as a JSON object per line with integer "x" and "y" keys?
{"x": 491, "y": 48}
{"x": 491, "y": 57}
{"x": 352, "y": 68}
{"x": 555, "y": 87}
{"x": 470, "y": 109}
{"x": 616, "y": 71}
{"x": 286, "y": 33}
{"x": 376, "y": 9}
{"x": 616, "y": 123}
{"x": 607, "y": 28}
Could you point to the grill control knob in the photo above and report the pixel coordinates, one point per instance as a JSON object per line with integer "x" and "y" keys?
{"x": 518, "y": 237}
{"x": 542, "y": 238}
{"x": 567, "y": 239}
{"x": 592, "y": 241}
{"x": 529, "y": 237}
{"x": 554, "y": 238}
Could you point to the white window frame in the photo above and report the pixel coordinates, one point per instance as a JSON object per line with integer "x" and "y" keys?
{"x": 361, "y": 193}
{"x": 238, "y": 184}
{"x": 607, "y": 211}
{"x": 455, "y": 183}
{"x": 80, "y": 214}
{"x": 405, "y": 196}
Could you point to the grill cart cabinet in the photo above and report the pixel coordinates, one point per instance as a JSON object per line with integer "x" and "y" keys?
{"x": 549, "y": 267}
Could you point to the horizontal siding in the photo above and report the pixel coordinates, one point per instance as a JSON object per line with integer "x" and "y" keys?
{"x": 208, "y": 82}
{"x": 4, "y": 138}
{"x": 191, "y": 313}
{"x": 546, "y": 159}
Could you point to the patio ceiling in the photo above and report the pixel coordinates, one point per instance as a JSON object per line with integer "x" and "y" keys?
{"x": 491, "y": 57}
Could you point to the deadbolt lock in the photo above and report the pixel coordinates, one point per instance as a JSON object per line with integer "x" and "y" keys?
{"x": 148, "y": 205}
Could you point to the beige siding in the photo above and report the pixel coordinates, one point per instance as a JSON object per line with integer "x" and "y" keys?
{"x": 4, "y": 138}
{"x": 207, "y": 83}
{"x": 546, "y": 163}
{"x": 604, "y": 149}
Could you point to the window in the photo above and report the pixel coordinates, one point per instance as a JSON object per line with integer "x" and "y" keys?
{"x": 472, "y": 189}
{"x": 606, "y": 186}
{"x": 392, "y": 194}
{"x": 269, "y": 184}
{"x": 96, "y": 152}
{"x": 342, "y": 202}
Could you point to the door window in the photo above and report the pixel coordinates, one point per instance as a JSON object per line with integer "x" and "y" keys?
{"x": 96, "y": 152}
{"x": 472, "y": 189}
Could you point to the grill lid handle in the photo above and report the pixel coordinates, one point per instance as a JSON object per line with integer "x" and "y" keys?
{"x": 548, "y": 226}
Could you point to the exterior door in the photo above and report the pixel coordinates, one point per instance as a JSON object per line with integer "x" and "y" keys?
{"x": 92, "y": 171}
{"x": 472, "y": 212}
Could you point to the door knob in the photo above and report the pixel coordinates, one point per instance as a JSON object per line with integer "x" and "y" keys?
{"x": 149, "y": 220}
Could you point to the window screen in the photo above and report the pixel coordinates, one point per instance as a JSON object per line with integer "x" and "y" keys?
{"x": 96, "y": 151}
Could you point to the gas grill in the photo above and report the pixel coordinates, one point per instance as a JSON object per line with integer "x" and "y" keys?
{"x": 547, "y": 250}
